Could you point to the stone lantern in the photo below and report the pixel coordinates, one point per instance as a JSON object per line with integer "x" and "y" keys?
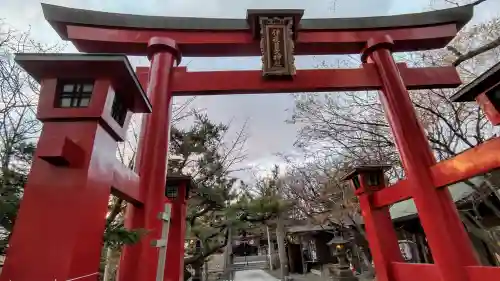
{"x": 340, "y": 271}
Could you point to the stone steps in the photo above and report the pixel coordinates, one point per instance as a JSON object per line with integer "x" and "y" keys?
{"x": 239, "y": 266}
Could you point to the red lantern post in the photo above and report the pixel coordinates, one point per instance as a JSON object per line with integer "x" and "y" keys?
{"x": 86, "y": 102}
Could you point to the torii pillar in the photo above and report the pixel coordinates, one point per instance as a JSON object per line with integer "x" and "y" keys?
{"x": 140, "y": 262}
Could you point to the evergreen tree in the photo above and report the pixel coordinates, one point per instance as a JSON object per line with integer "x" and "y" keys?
{"x": 13, "y": 176}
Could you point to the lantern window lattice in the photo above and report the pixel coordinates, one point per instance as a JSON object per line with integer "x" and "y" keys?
{"x": 374, "y": 179}
{"x": 74, "y": 94}
{"x": 171, "y": 191}
{"x": 118, "y": 110}
{"x": 355, "y": 181}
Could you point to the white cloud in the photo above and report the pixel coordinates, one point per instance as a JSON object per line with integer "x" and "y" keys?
{"x": 265, "y": 113}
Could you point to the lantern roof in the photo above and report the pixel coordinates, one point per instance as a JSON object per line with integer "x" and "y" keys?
{"x": 485, "y": 82}
{"x": 364, "y": 169}
{"x": 338, "y": 240}
{"x": 115, "y": 67}
{"x": 180, "y": 179}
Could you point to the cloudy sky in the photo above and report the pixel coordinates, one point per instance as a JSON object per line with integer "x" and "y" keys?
{"x": 268, "y": 133}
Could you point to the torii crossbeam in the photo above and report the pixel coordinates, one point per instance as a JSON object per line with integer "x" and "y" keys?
{"x": 277, "y": 36}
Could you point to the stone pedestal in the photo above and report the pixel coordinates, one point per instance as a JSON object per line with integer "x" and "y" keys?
{"x": 339, "y": 272}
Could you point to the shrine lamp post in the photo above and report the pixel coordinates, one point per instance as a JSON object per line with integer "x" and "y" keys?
{"x": 85, "y": 104}
{"x": 380, "y": 233}
{"x": 485, "y": 90}
{"x": 176, "y": 194}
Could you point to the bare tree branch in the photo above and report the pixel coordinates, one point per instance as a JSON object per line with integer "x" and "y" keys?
{"x": 472, "y": 53}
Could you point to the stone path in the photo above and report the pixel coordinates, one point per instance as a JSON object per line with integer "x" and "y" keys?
{"x": 253, "y": 275}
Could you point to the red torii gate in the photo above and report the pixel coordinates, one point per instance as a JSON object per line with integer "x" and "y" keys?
{"x": 164, "y": 39}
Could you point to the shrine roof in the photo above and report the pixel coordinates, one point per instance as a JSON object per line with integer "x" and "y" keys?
{"x": 483, "y": 83}
{"x": 115, "y": 67}
{"x": 407, "y": 210}
{"x": 60, "y": 17}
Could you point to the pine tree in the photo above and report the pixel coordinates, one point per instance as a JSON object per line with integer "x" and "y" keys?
{"x": 13, "y": 176}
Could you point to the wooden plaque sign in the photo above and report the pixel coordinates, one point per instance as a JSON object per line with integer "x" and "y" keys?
{"x": 277, "y": 46}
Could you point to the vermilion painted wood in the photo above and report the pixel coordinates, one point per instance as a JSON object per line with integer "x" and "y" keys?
{"x": 65, "y": 206}
{"x": 63, "y": 152}
{"x": 125, "y": 184}
{"x": 130, "y": 257}
{"x": 415, "y": 272}
{"x": 400, "y": 191}
{"x": 139, "y": 262}
{"x": 96, "y": 110}
{"x": 488, "y": 108}
{"x": 175, "y": 247}
{"x": 94, "y": 205}
{"x": 483, "y": 273}
{"x": 437, "y": 212}
{"x": 134, "y": 215}
{"x": 472, "y": 162}
{"x": 241, "y": 43}
{"x": 314, "y": 80}
{"x": 418, "y": 272}
{"x": 115, "y": 68}
{"x": 67, "y": 245}
{"x": 380, "y": 234}
{"x": 153, "y": 171}
{"x": 175, "y": 253}
{"x": 174, "y": 269}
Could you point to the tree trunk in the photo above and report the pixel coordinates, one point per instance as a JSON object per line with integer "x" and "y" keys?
{"x": 280, "y": 236}
{"x": 228, "y": 252}
{"x": 198, "y": 271}
{"x": 205, "y": 271}
{"x": 269, "y": 249}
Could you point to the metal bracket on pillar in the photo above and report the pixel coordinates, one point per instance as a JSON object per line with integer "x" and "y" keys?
{"x": 162, "y": 243}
